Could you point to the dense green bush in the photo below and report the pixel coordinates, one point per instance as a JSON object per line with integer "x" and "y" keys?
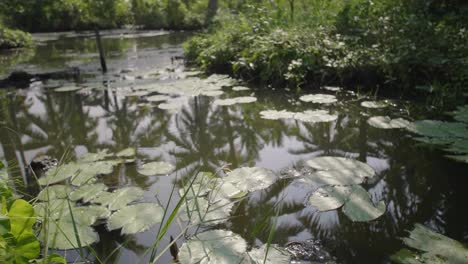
{"x": 13, "y": 38}
{"x": 397, "y": 43}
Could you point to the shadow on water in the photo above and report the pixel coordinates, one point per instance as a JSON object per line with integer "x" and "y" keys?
{"x": 416, "y": 183}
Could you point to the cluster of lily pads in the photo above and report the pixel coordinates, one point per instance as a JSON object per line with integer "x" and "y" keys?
{"x": 313, "y": 116}
{"x": 452, "y": 137}
{"x": 72, "y": 201}
{"x": 340, "y": 180}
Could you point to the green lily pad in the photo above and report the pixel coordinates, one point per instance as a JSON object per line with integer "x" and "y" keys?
{"x": 60, "y": 234}
{"x": 235, "y": 100}
{"x": 435, "y": 248}
{"x": 53, "y": 192}
{"x": 439, "y": 129}
{"x": 315, "y": 116}
{"x": 88, "y": 171}
{"x": 374, "y": 104}
{"x": 92, "y": 157}
{"x": 136, "y": 218}
{"x": 67, "y": 89}
{"x": 87, "y": 192}
{"x": 137, "y": 94}
{"x": 214, "y": 247}
{"x": 158, "y": 98}
{"x": 212, "y": 93}
{"x": 461, "y": 114}
{"x": 341, "y": 164}
{"x": 240, "y": 88}
{"x": 386, "y": 122}
{"x": 88, "y": 215}
{"x": 332, "y": 88}
{"x": 202, "y": 211}
{"x": 275, "y": 255}
{"x": 119, "y": 198}
{"x": 359, "y": 206}
{"x": 59, "y": 173}
{"x": 156, "y": 168}
{"x": 249, "y": 179}
{"x": 126, "y": 153}
{"x": 319, "y": 98}
{"x": 337, "y": 177}
{"x": 275, "y": 115}
{"x": 53, "y": 209}
{"x": 330, "y": 197}
{"x": 170, "y": 105}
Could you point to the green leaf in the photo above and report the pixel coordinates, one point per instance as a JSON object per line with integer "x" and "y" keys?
{"x": 319, "y": 98}
{"x": 386, "y": 122}
{"x": 136, "y": 218}
{"x": 328, "y": 163}
{"x": 4, "y": 224}
{"x": 275, "y": 255}
{"x": 235, "y": 100}
{"x": 54, "y": 192}
{"x": 330, "y": 197}
{"x": 126, "y": 153}
{"x": 156, "y": 168}
{"x": 249, "y": 179}
{"x": 27, "y": 247}
{"x": 22, "y": 217}
{"x": 88, "y": 192}
{"x": 214, "y": 247}
{"x": 359, "y": 206}
{"x": 52, "y": 258}
{"x": 119, "y": 198}
{"x": 374, "y": 104}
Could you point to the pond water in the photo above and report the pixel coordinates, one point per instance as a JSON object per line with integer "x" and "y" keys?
{"x": 111, "y": 111}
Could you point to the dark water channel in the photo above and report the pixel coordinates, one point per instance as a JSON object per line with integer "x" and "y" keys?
{"x": 416, "y": 182}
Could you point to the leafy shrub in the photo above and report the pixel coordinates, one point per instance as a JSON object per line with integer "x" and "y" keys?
{"x": 13, "y": 38}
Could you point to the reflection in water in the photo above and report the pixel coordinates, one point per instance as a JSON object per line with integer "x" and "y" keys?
{"x": 417, "y": 184}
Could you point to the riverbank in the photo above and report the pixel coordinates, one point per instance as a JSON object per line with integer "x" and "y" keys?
{"x": 391, "y": 45}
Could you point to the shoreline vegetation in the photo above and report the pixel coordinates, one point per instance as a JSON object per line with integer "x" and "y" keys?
{"x": 404, "y": 47}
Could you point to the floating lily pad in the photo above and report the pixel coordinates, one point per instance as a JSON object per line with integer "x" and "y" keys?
{"x": 60, "y": 173}
{"x": 461, "y": 114}
{"x": 202, "y": 211}
{"x": 119, "y": 198}
{"x": 315, "y": 116}
{"x": 214, "y": 247}
{"x": 359, "y": 206}
{"x": 158, "y": 98}
{"x": 88, "y": 192}
{"x": 386, "y": 122}
{"x": 54, "y": 192}
{"x": 87, "y": 172}
{"x": 156, "y": 168}
{"x": 330, "y": 197}
{"x": 235, "y": 100}
{"x": 60, "y": 234}
{"x": 275, "y": 115}
{"x": 91, "y": 157}
{"x": 341, "y": 164}
{"x": 249, "y": 179}
{"x": 439, "y": 129}
{"x": 67, "y": 89}
{"x": 88, "y": 214}
{"x": 136, "y": 218}
{"x": 435, "y": 248}
{"x": 137, "y": 94}
{"x": 170, "y": 105}
{"x": 319, "y": 98}
{"x": 374, "y": 104}
{"x": 240, "y": 88}
{"x": 337, "y": 177}
{"x": 332, "y": 88}
{"x": 126, "y": 153}
{"x": 212, "y": 93}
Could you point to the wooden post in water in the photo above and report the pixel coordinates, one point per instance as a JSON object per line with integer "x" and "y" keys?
{"x": 101, "y": 51}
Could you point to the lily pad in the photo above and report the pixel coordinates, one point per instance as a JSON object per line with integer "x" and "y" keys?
{"x": 330, "y": 197}
{"x": 374, "y": 104}
{"x": 235, "y": 100}
{"x": 461, "y": 114}
{"x": 137, "y": 94}
{"x": 214, "y": 247}
{"x": 386, "y": 122}
{"x": 67, "y": 89}
{"x": 88, "y": 214}
{"x": 60, "y": 173}
{"x": 170, "y": 105}
{"x": 275, "y": 255}
{"x": 212, "y": 93}
{"x": 156, "y": 168}
{"x": 202, "y": 211}
{"x": 126, "y": 153}
{"x": 359, "y": 206}
{"x": 275, "y": 114}
{"x": 439, "y": 129}
{"x": 88, "y": 192}
{"x": 319, "y": 98}
{"x": 435, "y": 248}
{"x": 54, "y": 192}
{"x": 332, "y": 88}
{"x": 342, "y": 164}
{"x": 315, "y": 116}
{"x": 136, "y": 218}
{"x": 91, "y": 157}
{"x": 158, "y": 98}
{"x": 240, "y": 88}
{"x": 337, "y": 177}
{"x": 249, "y": 179}
{"x": 87, "y": 172}
{"x": 60, "y": 234}
{"x": 119, "y": 198}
